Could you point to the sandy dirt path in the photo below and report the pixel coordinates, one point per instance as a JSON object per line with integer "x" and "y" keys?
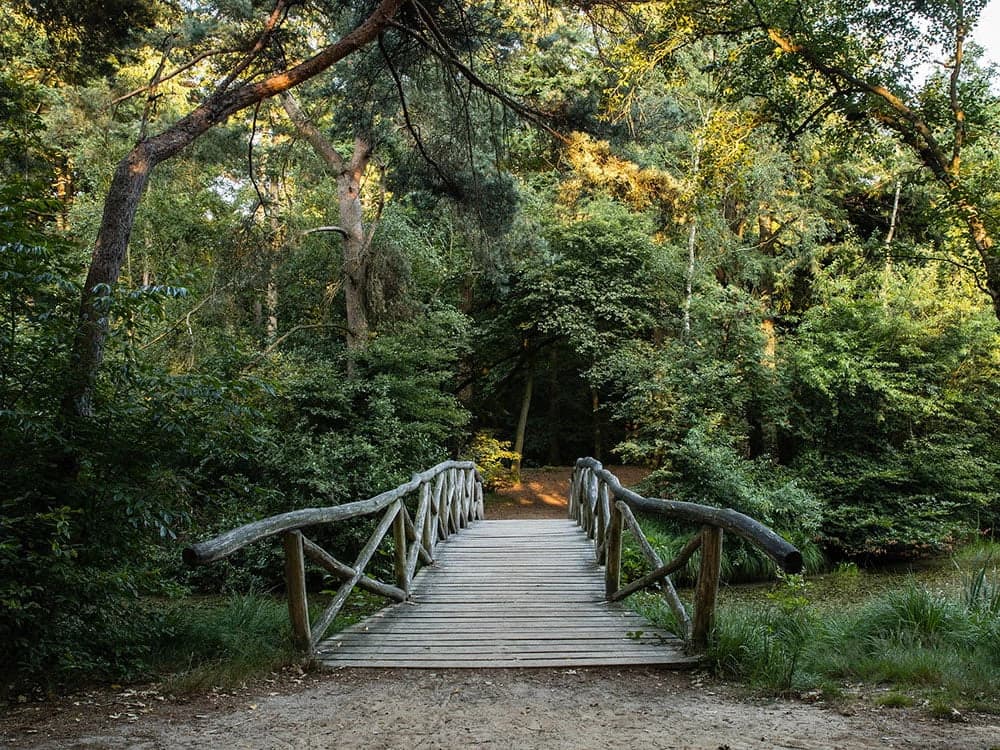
{"x": 560, "y": 709}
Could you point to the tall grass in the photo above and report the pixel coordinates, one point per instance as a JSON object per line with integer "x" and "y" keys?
{"x": 922, "y": 643}
{"x": 213, "y": 643}
{"x": 216, "y": 642}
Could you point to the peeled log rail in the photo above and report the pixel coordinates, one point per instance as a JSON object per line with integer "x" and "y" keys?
{"x": 450, "y": 498}
{"x": 226, "y": 544}
{"x": 604, "y": 509}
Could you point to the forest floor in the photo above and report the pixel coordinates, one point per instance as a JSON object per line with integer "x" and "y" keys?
{"x": 571, "y": 709}
{"x": 543, "y": 493}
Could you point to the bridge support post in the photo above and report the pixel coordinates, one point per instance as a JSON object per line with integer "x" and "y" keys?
{"x": 707, "y": 587}
{"x": 613, "y": 552}
{"x": 295, "y": 585}
{"x": 399, "y": 549}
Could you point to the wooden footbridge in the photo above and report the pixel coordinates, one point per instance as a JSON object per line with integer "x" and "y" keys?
{"x": 470, "y": 592}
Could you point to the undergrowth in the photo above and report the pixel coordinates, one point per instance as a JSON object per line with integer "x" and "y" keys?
{"x": 225, "y": 642}
{"x": 937, "y": 647}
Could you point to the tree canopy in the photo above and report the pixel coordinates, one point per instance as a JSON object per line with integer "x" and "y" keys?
{"x": 264, "y": 255}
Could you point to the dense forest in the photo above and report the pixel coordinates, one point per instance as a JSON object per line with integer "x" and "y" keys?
{"x": 259, "y": 255}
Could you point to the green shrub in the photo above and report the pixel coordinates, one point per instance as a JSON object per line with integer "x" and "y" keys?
{"x": 495, "y": 460}
{"x": 709, "y": 472}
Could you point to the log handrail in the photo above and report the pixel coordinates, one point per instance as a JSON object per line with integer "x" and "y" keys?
{"x": 604, "y": 509}
{"x": 450, "y": 498}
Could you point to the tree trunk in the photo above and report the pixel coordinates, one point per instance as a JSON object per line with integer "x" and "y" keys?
{"x": 133, "y": 173}
{"x": 987, "y": 250}
{"x": 356, "y": 266}
{"x": 522, "y": 421}
{"x": 123, "y": 198}
{"x": 689, "y": 278}
{"x": 271, "y": 294}
{"x": 277, "y": 241}
{"x": 356, "y": 256}
{"x": 595, "y": 403}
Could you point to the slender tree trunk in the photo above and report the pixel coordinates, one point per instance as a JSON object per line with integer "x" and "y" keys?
{"x": 893, "y": 220}
{"x": 887, "y": 269}
{"x": 271, "y": 295}
{"x": 132, "y": 175}
{"x": 595, "y": 405}
{"x": 692, "y": 236}
{"x": 522, "y": 421}
{"x": 356, "y": 256}
{"x": 277, "y": 241}
{"x": 689, "y": 278}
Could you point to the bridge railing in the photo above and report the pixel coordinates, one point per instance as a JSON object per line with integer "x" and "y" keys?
{"x": 604, "y": 509}
{"x": 450, "y": 497}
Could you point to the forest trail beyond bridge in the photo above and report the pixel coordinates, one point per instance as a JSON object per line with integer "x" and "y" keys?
{"x": 542, "y": 593}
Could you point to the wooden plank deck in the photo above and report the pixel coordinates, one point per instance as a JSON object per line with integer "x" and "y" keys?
{"x": 507, "y": 594}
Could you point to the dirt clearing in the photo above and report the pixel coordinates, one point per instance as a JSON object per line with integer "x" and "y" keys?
{"x": 561, "y": 709}
{"x": 543, "y": 493}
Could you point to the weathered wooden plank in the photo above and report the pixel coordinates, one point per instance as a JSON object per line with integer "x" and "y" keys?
{"x": 459, "y": 640}
{"x": 370, "y": 662}
{"x": 496, "y": 598}
{"x": 492, "y": 650}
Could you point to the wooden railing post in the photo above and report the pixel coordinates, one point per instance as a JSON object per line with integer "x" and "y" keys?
{"x": 295, "y": 585}
{"x": 399, "y": 549}
{"x": 613, "y": 552}
{"x": 428, "y": 530}
{"x": 707, "y": 587}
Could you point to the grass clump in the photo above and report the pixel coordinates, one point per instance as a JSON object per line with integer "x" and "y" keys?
{"x": 938, "y": 647}
{"x": 893, "y": 699}
{"x": 222, "y": 643}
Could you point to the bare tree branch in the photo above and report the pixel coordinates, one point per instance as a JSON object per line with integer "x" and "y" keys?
{"x": 187, "y": 66}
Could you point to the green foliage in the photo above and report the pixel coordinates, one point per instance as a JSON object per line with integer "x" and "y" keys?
{"x": 886, "y": 395}
{"x": 710, "y": 473}
{"x": 593, "y": 291}
{"x": 911, "y": 639}
{"x": 495, "y": 460}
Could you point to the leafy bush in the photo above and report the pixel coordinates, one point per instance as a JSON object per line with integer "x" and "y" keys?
{"x": 495, "y": 459}
{"x": 894, "y": 397}
{"x": 712, "y": 473}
